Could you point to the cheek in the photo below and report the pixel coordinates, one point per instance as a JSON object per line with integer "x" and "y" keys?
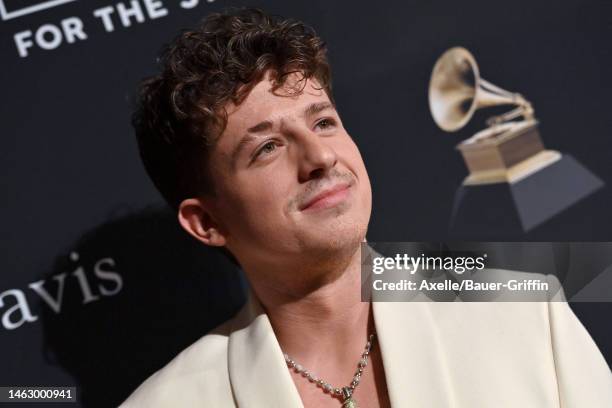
{"x": 348, "y": 152}
{"x": 258, "y": 203}
{"x": 354, "y": 161}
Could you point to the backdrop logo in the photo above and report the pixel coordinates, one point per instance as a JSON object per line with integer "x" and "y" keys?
{"x": 16, "y": 310}
{"x": 73, "y": 29}
{"x": 17, "y": 8}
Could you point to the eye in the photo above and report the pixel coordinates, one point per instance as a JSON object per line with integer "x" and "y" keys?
{"x": 267, "y": 148}
{"x": 326, "y": 123}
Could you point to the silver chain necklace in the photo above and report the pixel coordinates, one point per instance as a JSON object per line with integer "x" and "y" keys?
{"x": 346, "y": 393}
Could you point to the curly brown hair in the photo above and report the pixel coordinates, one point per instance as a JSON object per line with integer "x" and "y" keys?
{"x": 181, "y": 111}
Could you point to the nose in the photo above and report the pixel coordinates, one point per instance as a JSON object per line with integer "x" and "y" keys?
{"x": 316, "y": 155}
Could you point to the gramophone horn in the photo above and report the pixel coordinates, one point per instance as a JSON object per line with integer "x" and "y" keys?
{"x": 456, "y": 90}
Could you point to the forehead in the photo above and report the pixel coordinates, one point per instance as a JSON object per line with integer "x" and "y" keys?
{"x": 262, "y": 103}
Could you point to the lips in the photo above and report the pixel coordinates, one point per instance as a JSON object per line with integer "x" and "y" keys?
{"x": 327, "y": 197}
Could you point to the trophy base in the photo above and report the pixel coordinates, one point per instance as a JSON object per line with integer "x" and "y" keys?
{"x": 514, "y": 173}
{"x": 495, "y": 210}
{"x": 505, "y": 153}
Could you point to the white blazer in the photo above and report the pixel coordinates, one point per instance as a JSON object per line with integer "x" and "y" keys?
{"x": 435, "y": 355}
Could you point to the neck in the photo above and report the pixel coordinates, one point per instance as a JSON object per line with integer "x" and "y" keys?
{"x": 321, "y": 319}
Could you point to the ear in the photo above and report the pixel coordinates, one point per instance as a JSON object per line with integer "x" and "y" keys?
{"x": 197, "y": 220}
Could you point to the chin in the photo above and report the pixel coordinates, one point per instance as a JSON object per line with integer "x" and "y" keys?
{"x": 340, "y": 235}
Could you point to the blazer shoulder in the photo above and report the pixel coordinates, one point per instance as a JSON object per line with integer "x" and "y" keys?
{"x": 197, "y": 375}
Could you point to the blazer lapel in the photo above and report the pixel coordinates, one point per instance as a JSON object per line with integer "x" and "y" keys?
{"x": 416, "y": 373}
{"x": 258, "y": 373}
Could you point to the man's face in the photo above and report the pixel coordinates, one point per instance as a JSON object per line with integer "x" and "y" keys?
{"x": 288, "y": 177}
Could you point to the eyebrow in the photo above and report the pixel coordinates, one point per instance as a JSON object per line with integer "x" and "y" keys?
{"x": 266, "y": 125}
{"x": 315, "y": 108}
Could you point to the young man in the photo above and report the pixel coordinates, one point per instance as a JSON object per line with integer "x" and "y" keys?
{"x": 240, "y": 134}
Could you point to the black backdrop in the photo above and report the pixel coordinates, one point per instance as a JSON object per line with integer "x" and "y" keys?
{"x": 100, "y": 287}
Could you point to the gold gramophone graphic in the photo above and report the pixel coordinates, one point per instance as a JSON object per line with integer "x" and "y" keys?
{"x": 509, "y": 150}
